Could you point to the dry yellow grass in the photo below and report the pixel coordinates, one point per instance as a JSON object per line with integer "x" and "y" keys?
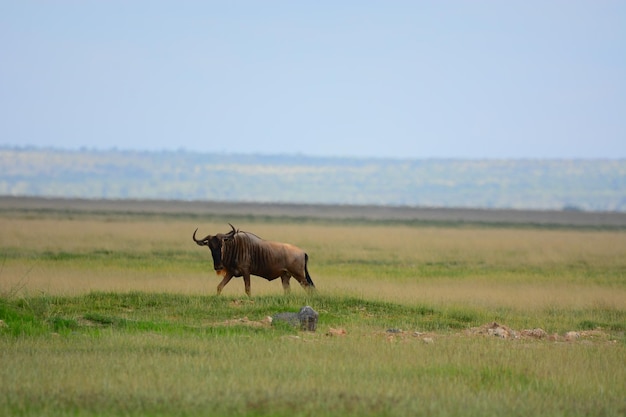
{"x": 521, "y": 268}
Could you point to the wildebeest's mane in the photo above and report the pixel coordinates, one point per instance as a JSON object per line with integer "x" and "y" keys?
{"x": 234, "y": 232}
{"x": 250, "y": 234}
{"x": 242, "y": 236}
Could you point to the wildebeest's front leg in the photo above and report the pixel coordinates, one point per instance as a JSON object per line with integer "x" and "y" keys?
{"x": 225, "y": 281}
{"x": 246, "y": 282}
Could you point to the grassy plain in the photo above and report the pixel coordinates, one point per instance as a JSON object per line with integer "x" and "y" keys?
{"x": 115, "y": 314}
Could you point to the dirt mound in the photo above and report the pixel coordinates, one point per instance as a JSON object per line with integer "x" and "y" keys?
{"x": 505, "y": 332}
{"x": 492, "y": 329}
{"x": 501, "y": 331}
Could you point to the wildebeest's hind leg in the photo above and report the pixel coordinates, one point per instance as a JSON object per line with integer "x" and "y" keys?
{"x": 305, "y": 279}
{"x": 305, "y": 283}
{"x": 285, "y": 277}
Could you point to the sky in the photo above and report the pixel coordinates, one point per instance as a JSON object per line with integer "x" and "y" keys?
{"x": 385, "y": 79}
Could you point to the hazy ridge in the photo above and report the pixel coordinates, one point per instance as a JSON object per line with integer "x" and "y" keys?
{"x": 590, "y": 185}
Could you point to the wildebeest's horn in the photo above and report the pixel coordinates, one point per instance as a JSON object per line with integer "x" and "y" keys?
{"x": 232, "y": 227}
{"x": 196, "y": 240}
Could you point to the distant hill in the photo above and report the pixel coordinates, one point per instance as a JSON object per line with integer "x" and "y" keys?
{"x": 590, "y": 185}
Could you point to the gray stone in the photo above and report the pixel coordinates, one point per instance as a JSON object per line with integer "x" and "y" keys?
{"x": 291, "y": 318}
{"x": 306, "y": 318}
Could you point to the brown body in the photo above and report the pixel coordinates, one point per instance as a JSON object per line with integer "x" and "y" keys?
{"x": 241, "y": 254}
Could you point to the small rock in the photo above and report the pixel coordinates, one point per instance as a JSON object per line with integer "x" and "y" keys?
{"x": 428, "y": 340}
{"x": 537, "y": 333}
{"x": 291, "y": 318}
{"x": 554, "y": 337}
{"x": 569, "y": 336}
{"x": 336, "y": 332}
{"x": 394, "y": 330}
{"x": 499, "y": 332}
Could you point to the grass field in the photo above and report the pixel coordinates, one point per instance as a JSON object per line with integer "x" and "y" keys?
{"x": 115, "y": 314}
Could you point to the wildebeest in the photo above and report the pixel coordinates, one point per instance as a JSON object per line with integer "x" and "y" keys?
{"x": 238, "y": 253}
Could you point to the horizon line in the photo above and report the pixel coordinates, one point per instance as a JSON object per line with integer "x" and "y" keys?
{"x": 182, "y": 150}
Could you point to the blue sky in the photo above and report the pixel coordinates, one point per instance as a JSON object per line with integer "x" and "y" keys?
{"x": 401, "y": 79}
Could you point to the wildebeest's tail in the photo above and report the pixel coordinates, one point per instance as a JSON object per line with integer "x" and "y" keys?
{"x": 306, "y": 271}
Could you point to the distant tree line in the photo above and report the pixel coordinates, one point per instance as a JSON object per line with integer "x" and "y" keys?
{"x": 598, "y": 185}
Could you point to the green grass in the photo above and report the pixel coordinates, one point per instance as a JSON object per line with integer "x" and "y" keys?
{"x": 176, "y": 313}
{"x": 166, "y": 354}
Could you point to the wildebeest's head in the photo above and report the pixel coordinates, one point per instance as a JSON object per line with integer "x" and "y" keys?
{"x": 215, "y": 244}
